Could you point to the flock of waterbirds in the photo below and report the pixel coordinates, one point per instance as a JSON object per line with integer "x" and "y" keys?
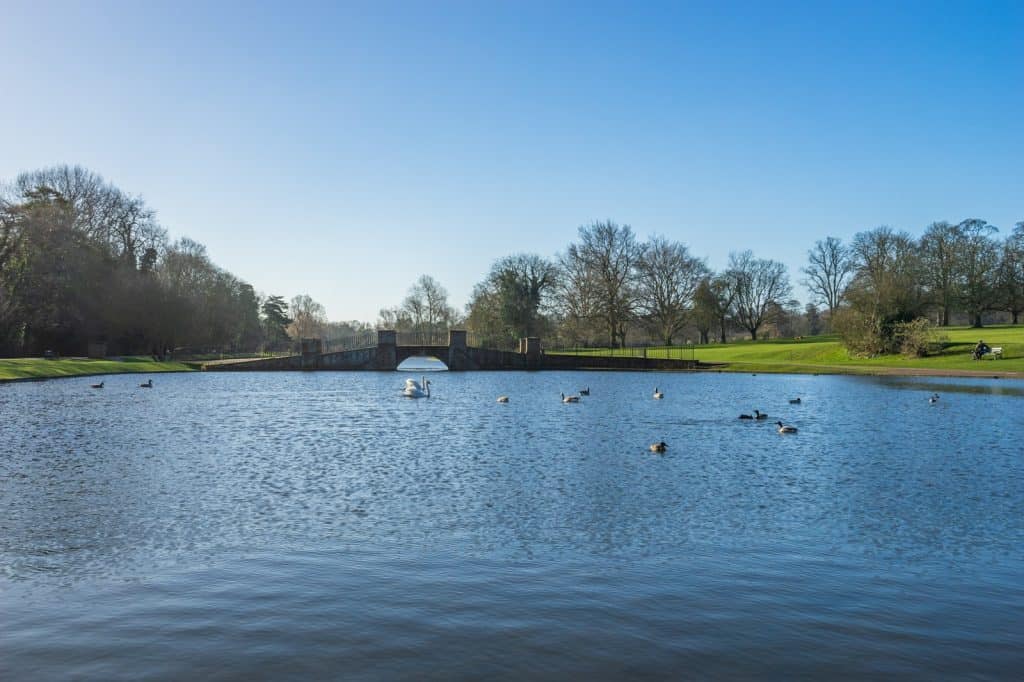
{"x": 421, "y": 389}
{"x": 148, "y": 384}
{"x": 661, "y": 446}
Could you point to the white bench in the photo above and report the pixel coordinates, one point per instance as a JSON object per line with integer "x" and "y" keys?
{"x": 997, "y": 352}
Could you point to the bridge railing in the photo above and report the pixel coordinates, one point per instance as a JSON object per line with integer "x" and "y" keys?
{"x": 351, "y": 342}
{"x": 653, "y": 352}
{"x": 474, "y": 340}
{"x": 424, "y": 338}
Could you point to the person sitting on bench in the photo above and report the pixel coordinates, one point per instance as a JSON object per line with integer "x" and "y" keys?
{"x": 981, "y": 349}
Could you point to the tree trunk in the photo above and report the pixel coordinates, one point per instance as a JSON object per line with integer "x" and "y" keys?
{"x": 721, "y": 327}
{"x": 945, "y": 316}
{"x": 753, "y": 334}
{"x": 1015, "y": 313}
{"x": 977, "y": 321}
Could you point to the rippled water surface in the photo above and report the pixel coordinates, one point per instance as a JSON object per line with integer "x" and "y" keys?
{"x": 287, "y": 524}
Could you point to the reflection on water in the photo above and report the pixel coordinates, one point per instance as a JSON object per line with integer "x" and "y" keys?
{"x": 322, "y": 520}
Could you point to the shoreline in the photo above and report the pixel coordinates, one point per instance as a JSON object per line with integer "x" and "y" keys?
{"x": 716, "y": 368}
{"x": 837, "y": 370}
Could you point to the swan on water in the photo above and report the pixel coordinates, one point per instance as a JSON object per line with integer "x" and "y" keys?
{"x": 148, "y": 384}
{"x": 659, "y": 447}
{"x": 758, "y": 414}
{"x": 934, "y": 398}
{"x": 794, "y": 401}
{"x": 417, "y": 390}
{"x": 570, "y": 398}
{"x": 99, "y": 385}
{"x": 658, "y": 395}
{"x": 585, "y": 391}
{"x": 502, "y": 398}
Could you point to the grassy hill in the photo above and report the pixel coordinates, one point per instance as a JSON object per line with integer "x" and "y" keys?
{"x": 39, "y": 368}
{"x": 825, "y": 354}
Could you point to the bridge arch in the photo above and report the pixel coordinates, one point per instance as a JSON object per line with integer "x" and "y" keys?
{"x": 422, "y": 363}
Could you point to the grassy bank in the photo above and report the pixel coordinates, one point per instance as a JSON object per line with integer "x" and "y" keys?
{"x": 826, "y": 355}
{"x": 39, "y": 368}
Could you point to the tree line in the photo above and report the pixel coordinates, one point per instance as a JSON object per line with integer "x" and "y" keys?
{"x": 83, "y": 262}
{"x": 609, "y": 288}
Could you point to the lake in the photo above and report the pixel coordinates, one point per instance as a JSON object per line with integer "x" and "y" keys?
{"x": 237, "y": 525}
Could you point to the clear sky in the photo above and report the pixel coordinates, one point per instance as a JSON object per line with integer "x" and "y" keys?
{"x": 342, "y": 150}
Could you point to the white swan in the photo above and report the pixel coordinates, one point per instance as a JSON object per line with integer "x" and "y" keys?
{"x": 417, "y": 390}
{"x": 658, "y": 395}
{"x": 502, "y": 398}
{"x": 570, "y": 398}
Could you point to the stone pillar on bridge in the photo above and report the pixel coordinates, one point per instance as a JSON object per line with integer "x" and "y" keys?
{"x": 311, "y": 350}
{"x": 457, "y": 344}
{"x": 530, "y": 347}
{"x": 387, "y": 354}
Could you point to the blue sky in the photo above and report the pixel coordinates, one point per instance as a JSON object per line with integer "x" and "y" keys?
{"x": 342, "y": 150}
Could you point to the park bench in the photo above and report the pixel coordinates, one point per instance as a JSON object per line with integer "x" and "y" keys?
{"x": 996, "y": 352}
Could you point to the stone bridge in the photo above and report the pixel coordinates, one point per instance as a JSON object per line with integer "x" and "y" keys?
{"x": 387, "y": 355}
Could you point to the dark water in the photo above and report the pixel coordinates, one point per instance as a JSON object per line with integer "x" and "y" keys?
{"x": 318, "y": 525}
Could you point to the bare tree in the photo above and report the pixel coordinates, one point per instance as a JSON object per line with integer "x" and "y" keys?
{"x": 760, "y": 286}
{"x": 608, "y": 253}
{"x": 887, "y": 290}
{"x": 829, "y": 268}
{"x": 576, "y": 299}
{"x": 1011, "y": 273}
{"x": 667, "y": 279}
{"x": 426, "y": 306}
{"x": 938, "y": 261}
{"x": 977, "y": 267}
{"x": 308, "y": 317}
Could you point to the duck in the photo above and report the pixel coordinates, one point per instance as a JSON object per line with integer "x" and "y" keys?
{"x": 934, "y": 398}
{"x": 794, "y": 401}
{"x": 585, "y": 391}
{"x": 661, "y": 446}
{"x": 148, "y": 384}
{"x": 758, "y": 414}
{"x": 502, "y": 398}
{"x": 785, "y": 429}
{"x": 570, "y": 398}
{"x": 658, "y": 395}
{"x": 99, "y": 385}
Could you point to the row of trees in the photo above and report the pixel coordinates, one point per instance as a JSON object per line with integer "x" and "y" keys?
{"x": 83, "y": 262}
{"x": 885, "y": 279}
{"x": 610, "y": 288}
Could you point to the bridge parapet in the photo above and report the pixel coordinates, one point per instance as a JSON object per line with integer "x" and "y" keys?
{"x": 457, "y": 355}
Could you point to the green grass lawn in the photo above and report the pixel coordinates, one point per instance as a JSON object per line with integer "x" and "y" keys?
{"x": 39, "y": 368}
{"x": 827, "y": 355}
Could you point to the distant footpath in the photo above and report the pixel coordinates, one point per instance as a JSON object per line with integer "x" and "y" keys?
{"x": 827, "y": 355}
